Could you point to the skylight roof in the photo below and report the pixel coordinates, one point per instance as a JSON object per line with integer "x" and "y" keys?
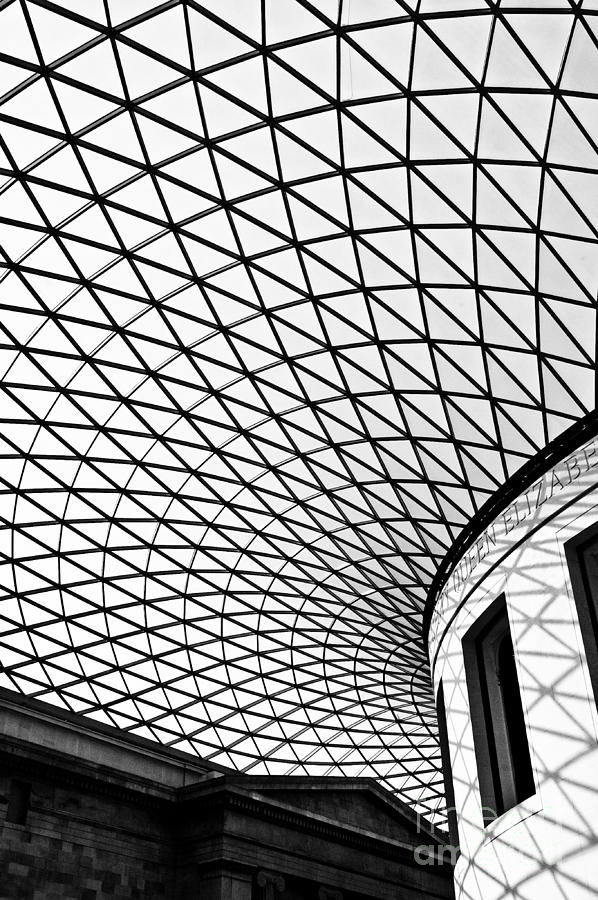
{"x": 288, "y": 290}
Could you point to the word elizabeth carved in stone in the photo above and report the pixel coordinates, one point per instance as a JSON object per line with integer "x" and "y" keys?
{"x": 568, "y": 471}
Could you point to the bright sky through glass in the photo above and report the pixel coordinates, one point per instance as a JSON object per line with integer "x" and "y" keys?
{"x": 288, "y": 290}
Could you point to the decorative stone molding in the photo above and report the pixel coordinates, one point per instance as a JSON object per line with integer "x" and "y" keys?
{"x": 269, "y": 884}
{"x": 327, "y": 893}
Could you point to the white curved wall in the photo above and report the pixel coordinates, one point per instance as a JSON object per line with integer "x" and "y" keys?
{"x": 546, "y": 847}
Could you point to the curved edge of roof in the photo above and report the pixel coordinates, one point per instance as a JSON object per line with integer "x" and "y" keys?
{"x": 555, "y": 451}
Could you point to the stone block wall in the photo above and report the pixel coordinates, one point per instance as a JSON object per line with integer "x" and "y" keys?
{"x": 77, "y": 845}
{"x": 89, "y": 813}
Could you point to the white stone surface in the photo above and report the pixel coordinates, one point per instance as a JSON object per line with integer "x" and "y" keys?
{"x": 547, "y": 846}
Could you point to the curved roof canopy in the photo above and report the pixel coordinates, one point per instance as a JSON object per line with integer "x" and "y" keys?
{"x": 289, "y": 288}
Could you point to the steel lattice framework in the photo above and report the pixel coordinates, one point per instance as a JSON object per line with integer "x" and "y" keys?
{"x": 288, "y": 290}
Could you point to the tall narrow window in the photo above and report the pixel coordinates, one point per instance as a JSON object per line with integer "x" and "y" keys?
{"x": 500, "y": 739}
{"x": 582, "y": 557}
{"x": 18, "y": 802}
{"x": 447, "y": 770}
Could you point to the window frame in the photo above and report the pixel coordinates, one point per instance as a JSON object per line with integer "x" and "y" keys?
{"x": 493, "y": 724}
{"x": 19, "y": 799}
{"x": 585, "y": 605}
{"x": 447, "y": 769}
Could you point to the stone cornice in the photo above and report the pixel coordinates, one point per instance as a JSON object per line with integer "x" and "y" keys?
{"x": 27, "y": 760}
{"x": 220, "y": 794}
{"x": 55, "y": 727}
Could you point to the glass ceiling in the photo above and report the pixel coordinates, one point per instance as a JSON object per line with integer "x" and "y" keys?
{"x": 288, "y": 289}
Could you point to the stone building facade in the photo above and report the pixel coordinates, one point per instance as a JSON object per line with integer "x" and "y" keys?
{"x": 89, "y": 813}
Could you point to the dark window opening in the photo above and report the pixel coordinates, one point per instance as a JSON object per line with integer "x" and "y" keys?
{"x": 447, "y": 770}
{"x": 500, "y": 739}
{"x": 582, "y": 559}
{"x": 18, "y": 802}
